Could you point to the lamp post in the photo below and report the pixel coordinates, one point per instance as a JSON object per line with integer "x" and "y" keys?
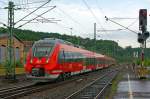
{"x": 71, "y": 31}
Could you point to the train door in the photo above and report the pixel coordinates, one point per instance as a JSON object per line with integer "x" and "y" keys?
{"x": 94, "y": 64}
{"x": 64, "y": 65}
{"x": 62, "y": 58}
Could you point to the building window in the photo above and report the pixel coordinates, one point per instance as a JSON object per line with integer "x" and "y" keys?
{"x": 2, "y": 53}
{"x": 17, "y": 54}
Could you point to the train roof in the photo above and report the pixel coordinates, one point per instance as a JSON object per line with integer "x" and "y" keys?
{"x": 77, "y": 48}
{"x": 109, "y": 58}
{"x": 57, "y": 40}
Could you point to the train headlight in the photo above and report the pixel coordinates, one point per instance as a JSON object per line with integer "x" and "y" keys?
{"x": 31, "y": 61}
{"x": 38, "y": 61}
{"x": 46, "y": 61}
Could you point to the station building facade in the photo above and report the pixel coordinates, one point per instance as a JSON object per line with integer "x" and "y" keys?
{"x": 18, "y": 46}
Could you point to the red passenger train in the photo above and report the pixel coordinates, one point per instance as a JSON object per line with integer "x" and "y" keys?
{"x": 53, "y": 58}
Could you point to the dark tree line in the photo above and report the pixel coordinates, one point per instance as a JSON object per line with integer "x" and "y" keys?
{"x": 107, "y": 47}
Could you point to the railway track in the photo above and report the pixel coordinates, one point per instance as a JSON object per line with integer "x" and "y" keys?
{"x": 15, "y": 92}
{"x": 10, "y": 93}
{"x": 97, "y": 88}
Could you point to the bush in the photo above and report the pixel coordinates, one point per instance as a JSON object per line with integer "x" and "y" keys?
{"x": 1, "y": 65}
{"x": 146, "y": 62}
{"x": 138, "y": 62}
{"x": 7, "y": 65}
{"x": 18, "y": 64}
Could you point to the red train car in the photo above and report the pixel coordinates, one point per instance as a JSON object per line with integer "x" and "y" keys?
{"x": 53, "y": 58}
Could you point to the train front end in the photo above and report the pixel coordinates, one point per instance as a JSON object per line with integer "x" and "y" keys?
{"x": 42, "y": 59}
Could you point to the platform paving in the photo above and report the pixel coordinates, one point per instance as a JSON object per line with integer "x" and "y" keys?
{"x": 130, "y": 87}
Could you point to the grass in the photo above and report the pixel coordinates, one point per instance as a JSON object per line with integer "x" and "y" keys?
{"x": 18, "y": 71}
{"x": 114, "y": 86}
{"x": 148, "y": 71}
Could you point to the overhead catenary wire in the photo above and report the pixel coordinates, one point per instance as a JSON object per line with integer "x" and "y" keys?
{"x": 84, "y": 1}
{"x": 121, "y": 29}
{"x": 68, "y": 15}
{"x": 32, "y": 12}
{"x": 60, "y": 25}
{"x": 100, "y": 9}
{"x": 91, "y": 11}
{"x": 120, "y": 25}
{"x": 29, "y": 3}
{"x": 110, "y": 30}
{"x": 119, "y": 18}
{"x": 3, "y": 24}
{"x": 3, "y": 2}
{"x": 70, "y": 18}
{"x": 37, "y": 17}
{"x": 43, "y": 20}
{"x": 132, "y": 23}
{"x": 122, "y": 18}
{"x": 102, "y": 13}
{"x": 37, "y": 7}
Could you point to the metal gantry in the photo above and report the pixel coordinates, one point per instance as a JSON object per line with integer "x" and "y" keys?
{"x": 10, "y": 67}
{"x": 10, "y": 63}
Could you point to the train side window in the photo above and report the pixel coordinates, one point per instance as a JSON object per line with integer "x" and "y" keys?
{"x": 61, "y": 56}
{"x": 67, "y": 55}
{"x": 99, "y": 61}
{"x": 70, "y": 56}
{"x": 79, "y": 56}
{"x": 88, "y": 60}
{"x": 73, "y": 55}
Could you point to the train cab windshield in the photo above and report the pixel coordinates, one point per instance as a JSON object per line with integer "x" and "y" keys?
{"x": 42, "y": 49}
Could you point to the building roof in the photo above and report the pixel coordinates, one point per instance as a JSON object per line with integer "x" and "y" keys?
{"x": 28, "y": 43}
{"x": 3, "y": 35}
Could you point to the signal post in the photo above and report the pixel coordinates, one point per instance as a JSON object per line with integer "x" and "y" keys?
{"x": 142, "y": 37}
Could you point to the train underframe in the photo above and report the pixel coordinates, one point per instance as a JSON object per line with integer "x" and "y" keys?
{"x": 39, "y": 74}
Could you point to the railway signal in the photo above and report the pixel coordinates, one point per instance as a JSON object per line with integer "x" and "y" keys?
{"x": 143, "y": 20}
{"x": 143, "y": 26}
{"x": 146, "y": 35}
{"x": 142, "y": 37}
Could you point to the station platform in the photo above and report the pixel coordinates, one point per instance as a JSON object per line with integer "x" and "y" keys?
{"x": 131, "y": 87}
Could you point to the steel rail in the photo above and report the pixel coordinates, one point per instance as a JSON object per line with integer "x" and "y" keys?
{"x": 90, "y": 91}
{"x": 20, "y": 91}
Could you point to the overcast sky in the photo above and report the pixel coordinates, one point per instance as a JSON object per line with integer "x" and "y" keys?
{"x": 80, "y": 15}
